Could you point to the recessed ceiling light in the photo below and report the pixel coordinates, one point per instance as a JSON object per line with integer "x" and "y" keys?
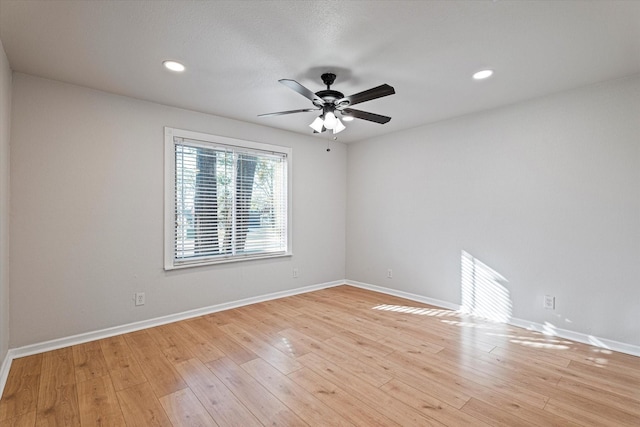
{"x": 174, "y": 66}
{"x": 483, "y": 74}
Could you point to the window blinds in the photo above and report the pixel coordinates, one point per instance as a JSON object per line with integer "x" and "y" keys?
{"x": 230, "y": 202}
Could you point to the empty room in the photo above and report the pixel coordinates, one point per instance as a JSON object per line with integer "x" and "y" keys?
{"x": 319, "y": 213}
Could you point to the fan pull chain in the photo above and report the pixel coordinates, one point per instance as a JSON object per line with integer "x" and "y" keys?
{"x": 335, "y": 138}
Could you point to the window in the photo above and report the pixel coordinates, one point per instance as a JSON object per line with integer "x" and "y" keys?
{"x": 225, "y": 199}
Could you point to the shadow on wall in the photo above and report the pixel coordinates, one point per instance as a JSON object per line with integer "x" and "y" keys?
{"x": 483, "y": 290}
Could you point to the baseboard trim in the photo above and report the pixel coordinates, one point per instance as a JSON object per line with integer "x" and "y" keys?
{"x": 55, "y": 344}
{"x": 604, "y": 343}
{"x": 4, "y": 370}
{"x": 402, "y": 294}
{"x": 612, "y": 345}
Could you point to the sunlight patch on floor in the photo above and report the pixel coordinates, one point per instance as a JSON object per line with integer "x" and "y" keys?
{"x": 472, "y": 325}
{"x": 533, "y": 344}
{"x": 541, "y": 339}
{"x": 421, "y": 311}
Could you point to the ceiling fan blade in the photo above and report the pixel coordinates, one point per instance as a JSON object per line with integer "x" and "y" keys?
{"x": 366, "y": 116}
{"x": 292, "y": 84}
{"x": 281, "y": 113}
{"x": 368, "y": 95}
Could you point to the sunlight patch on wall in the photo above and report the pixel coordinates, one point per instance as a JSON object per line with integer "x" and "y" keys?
{"x": 483, "y": 290}
{"x": 597, "y": 342}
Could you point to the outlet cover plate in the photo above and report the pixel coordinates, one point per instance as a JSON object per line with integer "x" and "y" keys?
{"x": 549, "y": 302}
{"x": 139, "y": 298}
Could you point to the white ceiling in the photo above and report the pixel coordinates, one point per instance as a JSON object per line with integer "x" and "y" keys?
{"x": 236, "y": 51}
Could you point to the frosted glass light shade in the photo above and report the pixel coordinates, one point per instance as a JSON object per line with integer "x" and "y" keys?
{"x": 330, "y": 120}
{"x": 317, "y": 124}
{"x": 339, "y": 127}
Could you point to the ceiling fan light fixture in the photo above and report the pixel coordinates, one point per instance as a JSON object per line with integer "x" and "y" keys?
{"x": 339, "y": 127}
{"x": 331, "y": 101}
{"x": 330, "y": 120}
{"x": 317, "y": 124}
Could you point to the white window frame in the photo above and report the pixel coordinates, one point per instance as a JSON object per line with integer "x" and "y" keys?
{"x": 170, "y": 134}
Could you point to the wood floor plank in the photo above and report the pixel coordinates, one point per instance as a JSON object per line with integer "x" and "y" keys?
{"x": 199, "y": 345}
{"x": 275, "y": 357}
{"x": 374, "y": 375}
{"x": 614, "y": 400}
{"x": 370, "y": 395}
{"x": 57, "y": 394}
{"x": 315, "y": 327}
{"x": 492, "y": 415}
{"x": 349, "y": 407}
{"x": 509, "y": 382}
{"x": 169, "y": 341}
{"x": 501, "y": 366}
{"x": 20, "y": 394}
{"x": 296, "y": 344}
{"x": 279, "y": 306}
{"x": 179, "y": 342}
{"x": 345, "y": 321}
{"x": 359, "y": 345}
{"x": 269, "y": 317}
{"x": 579, "y": 406}
{"x": 565, "y": 411}
{"x": 89, "y": 361}
{"x": 98, "y": 403}
{"x": 531, "y": 355}
{"x": 221, "y": 340}
{"x": 123, "y": 368}
{"x": 609, "y": 380}
{"x": 441, "y": 386}
{"x": 260, "y": 326}
{"x": 223, "y": 406}
{"x": 184, "y": 409}
{"x": 407, "y": 343}
{"x": 616, "y": 384}
{"x": 160, "y": 373}
{"x": 303, "y": 403}
{"x": 24, "y": 420}
{"x": 429, "y": 405}
{"x": 264, "y": 405}
{"x": 140, "y": 407}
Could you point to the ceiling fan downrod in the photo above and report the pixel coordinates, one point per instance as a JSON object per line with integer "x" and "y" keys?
{"x": 329, "y": 96}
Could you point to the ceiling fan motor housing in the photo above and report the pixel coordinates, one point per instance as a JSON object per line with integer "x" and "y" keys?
{"x": 328, "y": 96}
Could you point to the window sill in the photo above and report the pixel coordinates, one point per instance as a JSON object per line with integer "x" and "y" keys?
{"x": 202, "y": 263}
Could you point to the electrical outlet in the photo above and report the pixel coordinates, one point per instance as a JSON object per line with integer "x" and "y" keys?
{"x": 389, "y": 273}
{"x": 549, "y": 302}
{"x": 139, "y": 298}
{"x": 295, "y": 273}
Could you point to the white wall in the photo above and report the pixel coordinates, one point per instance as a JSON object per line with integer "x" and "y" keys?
{"x": 87, "y": 213}
{"x": 5, "y": 126}
{"x": 546, "y": 193}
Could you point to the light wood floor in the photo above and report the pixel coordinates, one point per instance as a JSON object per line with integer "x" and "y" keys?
{"x": 337, "y": 357}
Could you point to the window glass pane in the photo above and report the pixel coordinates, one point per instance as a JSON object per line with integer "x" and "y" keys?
{"x": 229, "y": 202}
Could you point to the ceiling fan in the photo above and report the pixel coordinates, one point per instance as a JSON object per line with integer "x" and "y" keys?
{"x": 331, "y": 101}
